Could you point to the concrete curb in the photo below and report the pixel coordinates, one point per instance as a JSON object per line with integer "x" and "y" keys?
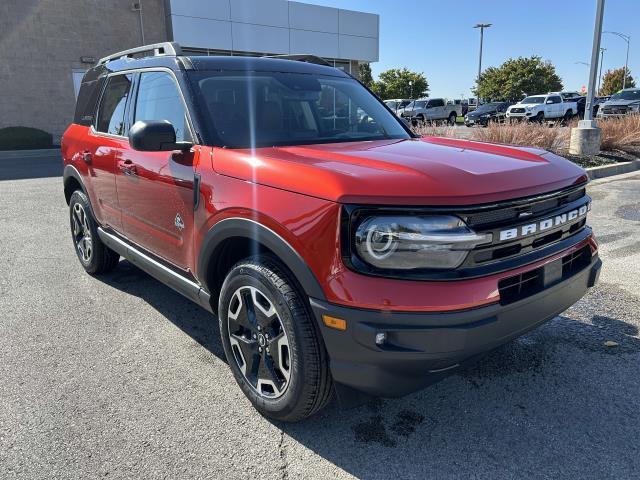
{"x": 10, "y": 154}
{"x": 613, "y": 169}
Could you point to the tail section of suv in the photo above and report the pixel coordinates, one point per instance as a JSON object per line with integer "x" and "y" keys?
{"x": 339, "y": 252}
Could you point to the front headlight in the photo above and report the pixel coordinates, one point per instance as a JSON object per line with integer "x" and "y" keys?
{"x": 415, "y": 242}
{"x": 634, "y": 107}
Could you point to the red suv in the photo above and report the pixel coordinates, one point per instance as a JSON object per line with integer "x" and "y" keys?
{"x": 339, "y": 252}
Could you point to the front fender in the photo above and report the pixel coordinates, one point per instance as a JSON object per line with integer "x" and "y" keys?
{"x": 246, "y": 228}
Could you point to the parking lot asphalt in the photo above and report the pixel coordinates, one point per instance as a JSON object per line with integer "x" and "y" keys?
{"x": 117, "y": 376}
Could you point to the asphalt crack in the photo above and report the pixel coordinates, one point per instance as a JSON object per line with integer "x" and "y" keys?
{"x": 284, "y": 464}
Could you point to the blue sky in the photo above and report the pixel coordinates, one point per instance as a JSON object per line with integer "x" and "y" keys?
{"x": 437, "y": 38}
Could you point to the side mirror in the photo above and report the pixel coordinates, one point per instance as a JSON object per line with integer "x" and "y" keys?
{"x": 155, "y": 136}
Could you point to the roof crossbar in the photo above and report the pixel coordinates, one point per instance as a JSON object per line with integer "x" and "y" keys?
{"x": 171, "y": 49}
{"x": 303, "y": 58}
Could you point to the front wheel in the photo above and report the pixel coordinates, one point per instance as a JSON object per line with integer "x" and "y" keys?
{"x": 271, "y": 341}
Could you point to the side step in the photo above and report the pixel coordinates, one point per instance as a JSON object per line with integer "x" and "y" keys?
{"x": 180, "y": 284}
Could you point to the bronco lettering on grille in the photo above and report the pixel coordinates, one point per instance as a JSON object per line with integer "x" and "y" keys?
{"x": 546, "y": 224}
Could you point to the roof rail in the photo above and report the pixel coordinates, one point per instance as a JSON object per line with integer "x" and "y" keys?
{"x": 156, "y": 49}
{"x": 302, "y": 58}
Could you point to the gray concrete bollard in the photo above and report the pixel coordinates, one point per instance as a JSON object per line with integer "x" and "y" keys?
{"x": 585, "y": 139}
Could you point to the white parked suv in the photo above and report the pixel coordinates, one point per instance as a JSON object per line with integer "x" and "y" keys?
{"x": 542, "y": 107}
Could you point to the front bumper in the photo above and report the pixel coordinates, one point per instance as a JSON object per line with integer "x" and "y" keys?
{"x": 422, "y": 348}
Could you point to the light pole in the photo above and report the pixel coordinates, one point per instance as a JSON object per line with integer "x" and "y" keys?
{"x": 585, "y": 139}
{"x": 410, "y": 89}
{"x": 602, "y": 50}
{"x": 481, "y": 26}
{"x": 626, "y": 38}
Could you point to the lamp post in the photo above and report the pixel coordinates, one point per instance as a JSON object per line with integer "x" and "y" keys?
{"x": 602, "y": 50}
{"x": 626, "y": 38}
{"x": 585, "y": 139}
{"x": 410, "y": 89}
{"x": 481, "y": 26}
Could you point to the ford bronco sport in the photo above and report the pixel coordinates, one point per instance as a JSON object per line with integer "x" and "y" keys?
{"x": 339, "y": 252}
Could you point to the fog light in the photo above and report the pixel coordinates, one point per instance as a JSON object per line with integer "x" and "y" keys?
{"x": 381, "y": 338}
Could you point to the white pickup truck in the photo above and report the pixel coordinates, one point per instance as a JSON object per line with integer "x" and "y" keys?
{"x": 542, "y": 107}
{"x": 432, "y": 110}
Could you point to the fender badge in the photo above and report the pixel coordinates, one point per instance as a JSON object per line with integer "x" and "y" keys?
{"x": 178, "y": 222}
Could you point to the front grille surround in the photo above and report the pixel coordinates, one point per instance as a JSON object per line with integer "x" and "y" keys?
{"x": 485, "y": 259}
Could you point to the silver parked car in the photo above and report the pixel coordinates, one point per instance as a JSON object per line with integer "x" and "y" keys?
{"x": 432, "y": 110}
{"x": 624, "y": 102}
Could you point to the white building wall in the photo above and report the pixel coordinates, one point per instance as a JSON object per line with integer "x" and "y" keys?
{"x": 275, "y": 26}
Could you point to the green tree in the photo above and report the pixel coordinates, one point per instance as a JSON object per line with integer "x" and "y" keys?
{"x": 516, "y": 78}
{"x": 394, "y": 83}
{"x": 364, "y": 73}
{"x": 612, "y": 81}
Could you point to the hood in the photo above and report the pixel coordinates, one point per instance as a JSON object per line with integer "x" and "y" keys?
{"x": 613, "y": 103}
{"x": 427, "y": 171}
{"x": 476, "y": 113}
{"x": 526, "y": 105}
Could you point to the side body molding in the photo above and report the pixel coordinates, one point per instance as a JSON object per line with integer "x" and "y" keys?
{"x": 245, "y": 228}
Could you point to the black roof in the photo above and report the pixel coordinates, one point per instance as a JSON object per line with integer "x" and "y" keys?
{"x": 213, "y": 63}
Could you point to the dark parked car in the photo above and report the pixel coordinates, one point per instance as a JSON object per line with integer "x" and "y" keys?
{"x": 489, "y": 112}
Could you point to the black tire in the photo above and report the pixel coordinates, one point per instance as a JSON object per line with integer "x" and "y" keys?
{"x": 539, "y": 118}
{"x": 308, "y": 387}
{"x": 95, "y": 257}
{"x": 452, "y": 118}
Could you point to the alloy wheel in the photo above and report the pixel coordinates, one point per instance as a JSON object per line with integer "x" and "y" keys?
{"x": 259, "y": 342}
{"x": 81, "y": 232}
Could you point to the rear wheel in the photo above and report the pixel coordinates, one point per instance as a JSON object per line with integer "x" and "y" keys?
{"x": 95, "y": 257}
{"x": 271, "y": 341}
{"x": 452, "y": 118}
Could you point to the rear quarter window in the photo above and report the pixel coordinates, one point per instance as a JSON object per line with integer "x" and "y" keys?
{"x": 87, "y": 102}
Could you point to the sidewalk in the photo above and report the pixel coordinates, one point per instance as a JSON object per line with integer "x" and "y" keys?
{"x": 29, "y": 153}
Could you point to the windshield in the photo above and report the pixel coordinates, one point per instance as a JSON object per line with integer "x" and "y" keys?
{"x": 533, "y": 100}
{"x": 259, "y": 109}
{"x": 626, "y": 95}
{"x": 419, "y": 104}
{"x": 487, "y": 107}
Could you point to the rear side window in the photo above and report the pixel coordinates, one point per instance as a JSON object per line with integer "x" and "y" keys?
{"x": 112, "y": 106}
{"x": 86, "y": 102}
{"x": 159, "y": 99}
{"x": 438, "y": 102}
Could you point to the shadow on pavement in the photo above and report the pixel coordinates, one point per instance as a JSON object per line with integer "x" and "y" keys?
{"x": 35, "y": 165}
{"x": 556, "y": 403}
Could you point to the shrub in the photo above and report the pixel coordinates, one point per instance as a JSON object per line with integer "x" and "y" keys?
{"x": 552, "y": 138}
{"x": 24, "y": 138}
{"x": 621, "y": 133}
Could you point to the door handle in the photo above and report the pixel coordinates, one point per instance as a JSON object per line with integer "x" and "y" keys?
{"x": 127, "y": 167}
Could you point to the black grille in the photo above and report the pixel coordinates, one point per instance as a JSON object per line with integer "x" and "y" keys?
{"x": 620, "y": 110}
{"x": 523, "y": 285}
{"x": 517, "y": 110}
{"x": 520, "y": 286}
{"x": 540, "y": 207}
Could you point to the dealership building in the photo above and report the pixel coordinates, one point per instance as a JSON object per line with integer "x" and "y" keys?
{"x": 46, "y": 46}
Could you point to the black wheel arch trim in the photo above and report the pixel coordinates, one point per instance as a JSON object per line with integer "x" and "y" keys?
{"x": 72, "y": 172}
{"x": 246, "y": 228}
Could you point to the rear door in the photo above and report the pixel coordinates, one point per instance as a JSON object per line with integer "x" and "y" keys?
{"x": 106, "y": 139}
{"x": 156, "y": 189}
